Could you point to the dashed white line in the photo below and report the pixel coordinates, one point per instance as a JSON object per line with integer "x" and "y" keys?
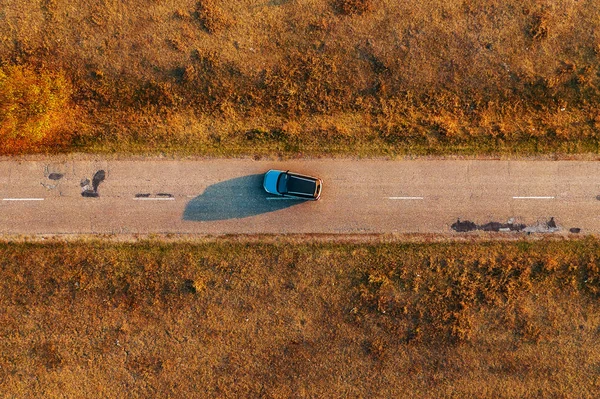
{"x": 405, "y": 198}
{"x": 22, "y": 199}
{"x": 533, "y": 197}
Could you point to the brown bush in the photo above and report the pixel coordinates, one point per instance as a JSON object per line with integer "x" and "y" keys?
{"x": 176, "y": 44}
{"x": 352, "y": 7}
{"x": 211, "y": 17}
{"x": 538, "y": 28}
{"x": 47, "y": 355}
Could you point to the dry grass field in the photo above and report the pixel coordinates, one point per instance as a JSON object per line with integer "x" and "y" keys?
{"x": 280, "y": 319}
{"x": 296, "y": 77}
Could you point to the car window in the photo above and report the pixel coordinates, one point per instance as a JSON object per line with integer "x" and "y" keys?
{"x": 298, "y": 184}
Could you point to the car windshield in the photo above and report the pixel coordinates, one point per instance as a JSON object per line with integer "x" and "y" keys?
{"x": 282, "y": 183}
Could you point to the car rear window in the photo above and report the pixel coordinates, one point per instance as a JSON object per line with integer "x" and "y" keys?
{"x": 301, "y": 185}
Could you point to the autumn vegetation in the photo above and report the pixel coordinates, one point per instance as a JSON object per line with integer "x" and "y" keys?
{"x": 278, "y": 318}
{"x": 299, "y": 77}
{"x": 34, "y": 108}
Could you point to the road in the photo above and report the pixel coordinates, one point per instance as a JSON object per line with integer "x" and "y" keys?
{"x": 359, "y": 196}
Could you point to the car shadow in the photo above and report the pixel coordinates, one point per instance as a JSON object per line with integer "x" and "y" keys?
{"x": 235, "y": 199}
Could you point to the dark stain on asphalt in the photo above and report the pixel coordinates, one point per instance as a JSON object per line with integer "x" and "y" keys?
{"x": 463, "y": 226}
{"x": 495, "y": 226}
{"x": 97, "y": 179}
{"x": 54, "y": 176}
{"x": 89, "y": 194}
{"x": 92, "y": 192}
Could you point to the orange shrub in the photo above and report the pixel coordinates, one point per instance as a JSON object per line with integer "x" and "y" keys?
{"x": 33, "y": 105}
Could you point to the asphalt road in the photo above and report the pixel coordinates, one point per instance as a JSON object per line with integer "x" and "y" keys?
{"x": 359, "y": 196}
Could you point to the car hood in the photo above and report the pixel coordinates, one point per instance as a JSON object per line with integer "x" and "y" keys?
{"x": 270, "y": 182}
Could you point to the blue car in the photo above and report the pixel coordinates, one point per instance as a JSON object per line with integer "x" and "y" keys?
{"x": 295, "y": 185}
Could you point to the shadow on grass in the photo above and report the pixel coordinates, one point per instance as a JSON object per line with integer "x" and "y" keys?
{"x": 234, "y": 199}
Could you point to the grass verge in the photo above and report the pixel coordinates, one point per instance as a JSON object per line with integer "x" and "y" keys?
{"x": 297, "y": 78}
{"x": 235, "y": 318}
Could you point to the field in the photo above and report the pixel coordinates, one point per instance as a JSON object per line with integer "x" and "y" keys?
{"x": 277, "y": 318}
{"x": 300, "y": 77}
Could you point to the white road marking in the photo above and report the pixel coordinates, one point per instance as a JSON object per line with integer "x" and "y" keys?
{"x": 22, "y": 199}
{"x": 154, "y": 199}
{"x": 533, "y": 197}
{"x": 405, "y": 198}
